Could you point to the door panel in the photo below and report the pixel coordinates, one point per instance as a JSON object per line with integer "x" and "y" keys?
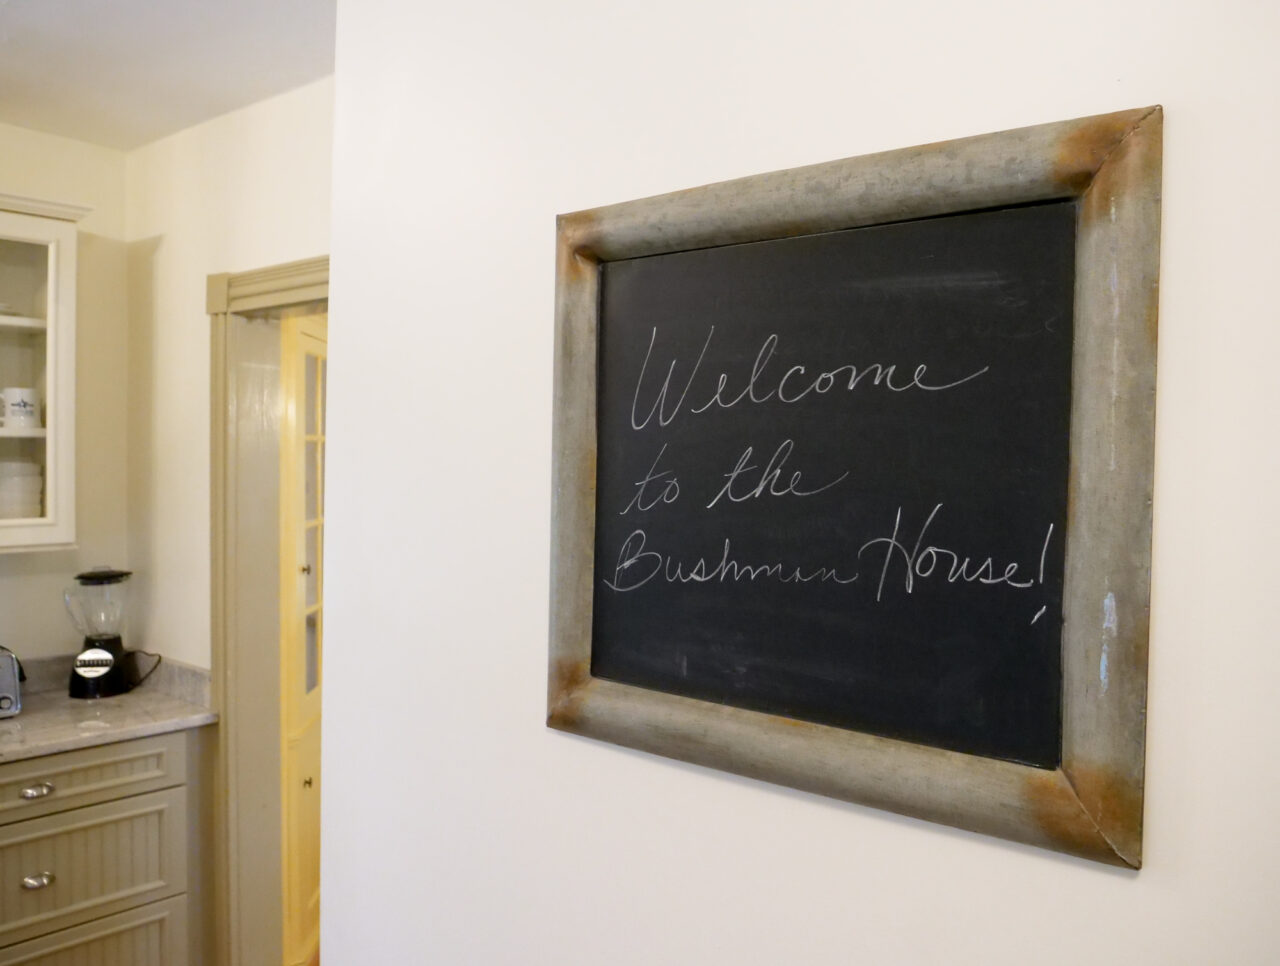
{"x": 302, "y": 626}
{"x": 302, "y": 857}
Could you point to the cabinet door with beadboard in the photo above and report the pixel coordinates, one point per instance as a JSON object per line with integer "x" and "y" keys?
{"x": 151, "y": 935}
{"x": 56, "y": 783}
{"x": 66, "y": 869}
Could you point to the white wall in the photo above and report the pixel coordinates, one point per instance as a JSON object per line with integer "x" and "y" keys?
{"x": 459, "y": 830}
{"x": 243, "y": 191}
{"x": 33, "y": 621}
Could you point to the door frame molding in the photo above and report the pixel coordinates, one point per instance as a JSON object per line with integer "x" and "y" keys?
{"x": 228, "y": 294}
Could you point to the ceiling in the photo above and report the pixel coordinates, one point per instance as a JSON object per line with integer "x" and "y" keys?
{"x": 122, "y": 73}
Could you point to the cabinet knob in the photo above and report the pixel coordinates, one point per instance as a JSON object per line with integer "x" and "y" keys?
{"x": 40, "y": 880}
{"x": 39, "y": 790}
{"x": 306, "y": 783}
{"x": 305, "y": 568}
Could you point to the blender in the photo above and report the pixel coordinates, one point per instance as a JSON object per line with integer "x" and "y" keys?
{"x": 97, "y": 607}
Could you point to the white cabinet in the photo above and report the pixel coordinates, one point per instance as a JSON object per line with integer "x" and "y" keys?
{"x": 37, "y": 373}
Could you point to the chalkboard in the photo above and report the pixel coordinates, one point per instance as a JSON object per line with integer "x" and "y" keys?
{"x": 832, "y": 477}
{"x": 852, "y": 477}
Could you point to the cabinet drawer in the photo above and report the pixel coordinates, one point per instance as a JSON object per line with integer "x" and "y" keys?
{"x": 41, "y": 786}
{"x": 152, "y": 935}
{"x": 91, "y": 862}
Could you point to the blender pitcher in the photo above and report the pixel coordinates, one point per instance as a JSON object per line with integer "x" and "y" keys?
{"x": 97, "y": 607}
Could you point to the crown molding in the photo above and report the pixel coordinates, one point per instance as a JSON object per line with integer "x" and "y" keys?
{"x": 42, "y": 208}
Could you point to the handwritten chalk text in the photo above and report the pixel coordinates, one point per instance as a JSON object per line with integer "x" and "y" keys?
{"x": 769, "y": 384}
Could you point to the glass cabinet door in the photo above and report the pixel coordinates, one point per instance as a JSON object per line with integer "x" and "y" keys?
{"x": 37, "y": 381}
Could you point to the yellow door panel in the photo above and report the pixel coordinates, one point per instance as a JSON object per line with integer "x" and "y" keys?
{"x": 302, "y": 847}
{"x": 302, "y": 453}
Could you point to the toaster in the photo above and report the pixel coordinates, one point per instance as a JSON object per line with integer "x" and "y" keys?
{"x": 10, "y": 677}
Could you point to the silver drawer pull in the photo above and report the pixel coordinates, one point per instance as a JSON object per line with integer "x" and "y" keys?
{"x": 38, "y": 791}
{"x": 38, "y": 881}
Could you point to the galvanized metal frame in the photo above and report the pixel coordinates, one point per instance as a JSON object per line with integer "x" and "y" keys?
{"x": 1092, "y": 805}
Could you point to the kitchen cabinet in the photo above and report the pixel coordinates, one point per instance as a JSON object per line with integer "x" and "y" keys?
{"x": 100, "y": 856}
{"x": 37, "y": 353}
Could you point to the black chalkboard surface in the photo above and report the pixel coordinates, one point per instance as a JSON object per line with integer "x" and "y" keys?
{"x": 832, "y": 477}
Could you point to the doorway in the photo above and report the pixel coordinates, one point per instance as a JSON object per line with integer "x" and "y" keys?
{"x": 268, "y": 379}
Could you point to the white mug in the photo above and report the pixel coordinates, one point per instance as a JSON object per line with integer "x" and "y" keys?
{"x": 21, "y": 406}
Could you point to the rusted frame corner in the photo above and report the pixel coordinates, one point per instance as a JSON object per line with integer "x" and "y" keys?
{"x": 1092, "y": 805}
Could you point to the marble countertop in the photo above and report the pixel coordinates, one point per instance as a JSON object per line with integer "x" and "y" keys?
{"x": 51, "y": 722}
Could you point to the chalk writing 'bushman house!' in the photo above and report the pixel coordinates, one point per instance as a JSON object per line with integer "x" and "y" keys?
{"x": 853, "y": 478}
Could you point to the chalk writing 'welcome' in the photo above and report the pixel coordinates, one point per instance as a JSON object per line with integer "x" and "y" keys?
{"x": 762, "y": 385}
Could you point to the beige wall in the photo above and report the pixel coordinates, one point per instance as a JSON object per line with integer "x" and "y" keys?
{"x": 245, "y": 190}
{"x": 38, "y": 165}
{"x": 460, "y": 131}
{"x": 32, "y": 620}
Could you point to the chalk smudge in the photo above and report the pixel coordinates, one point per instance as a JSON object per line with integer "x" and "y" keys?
{"x": 1110, "y": 623}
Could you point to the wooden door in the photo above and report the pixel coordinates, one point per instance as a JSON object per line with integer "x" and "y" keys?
{"x": 302, "y": 444}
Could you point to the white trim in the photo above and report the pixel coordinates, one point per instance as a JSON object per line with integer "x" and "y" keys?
{"x": 43, "y": 209}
